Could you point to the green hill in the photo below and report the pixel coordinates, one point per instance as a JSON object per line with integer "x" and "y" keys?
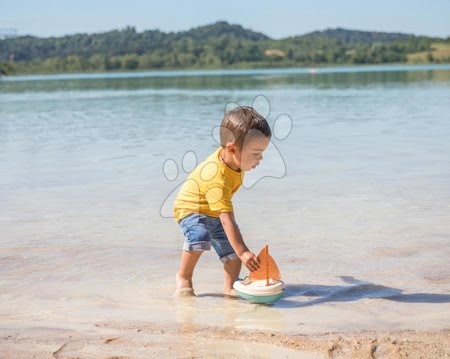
{"x": 218, "y": 45}
{"x": 220, "y": 29}
{"x": 355, "y": 37}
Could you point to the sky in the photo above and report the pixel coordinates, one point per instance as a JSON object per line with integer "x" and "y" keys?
{"x": 277, "y": 19}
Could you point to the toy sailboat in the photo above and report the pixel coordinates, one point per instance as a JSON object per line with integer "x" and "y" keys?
{"x": 264, "y": 285}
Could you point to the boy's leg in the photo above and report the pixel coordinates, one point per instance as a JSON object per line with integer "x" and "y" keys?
{"x": 197, "y": 240}
{"x": 185, "y": 273}
{"x": 231, "y": 262}
{"x": 231, "y": 268}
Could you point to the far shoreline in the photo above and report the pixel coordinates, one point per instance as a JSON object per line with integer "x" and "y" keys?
{"x": 308, "y": 70}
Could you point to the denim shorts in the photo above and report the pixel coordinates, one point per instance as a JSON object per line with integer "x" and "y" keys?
{"x": 202, "y": 231}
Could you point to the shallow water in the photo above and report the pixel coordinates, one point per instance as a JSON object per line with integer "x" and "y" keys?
{"x": 354, "y": 202}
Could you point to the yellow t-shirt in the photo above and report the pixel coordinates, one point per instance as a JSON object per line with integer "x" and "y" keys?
{"x": 208, "y": 189}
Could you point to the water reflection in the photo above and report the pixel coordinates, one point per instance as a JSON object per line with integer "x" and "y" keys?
{"x": 248, "y": 79}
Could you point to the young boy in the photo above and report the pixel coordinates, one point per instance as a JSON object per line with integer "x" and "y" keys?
{"x": 203, "y": 207}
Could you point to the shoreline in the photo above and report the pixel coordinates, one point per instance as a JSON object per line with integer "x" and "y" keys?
{"x": 113, "y": 339}
{"x": 194, "y": 72}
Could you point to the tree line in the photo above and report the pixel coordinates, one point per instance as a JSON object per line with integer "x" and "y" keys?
{"x": 219, "y": 45}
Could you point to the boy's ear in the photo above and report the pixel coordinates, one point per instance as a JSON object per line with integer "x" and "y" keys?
{"x": 231, "y": 147}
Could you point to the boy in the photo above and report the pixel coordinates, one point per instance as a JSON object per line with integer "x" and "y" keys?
{"x": 203, "y": 206}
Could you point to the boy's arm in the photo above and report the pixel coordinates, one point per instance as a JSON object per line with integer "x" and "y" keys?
{"x": 237, "y": 242}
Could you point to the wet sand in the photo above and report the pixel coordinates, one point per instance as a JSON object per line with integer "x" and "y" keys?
{"x": 99, "y": 301}
{"x": 151, "y": 340}
{"x": 79, "y": 299}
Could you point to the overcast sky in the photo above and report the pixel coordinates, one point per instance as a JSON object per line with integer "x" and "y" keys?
{"x": 277, "y": 19}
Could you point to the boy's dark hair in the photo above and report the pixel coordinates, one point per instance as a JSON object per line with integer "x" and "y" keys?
{"x": 241, "y": 125}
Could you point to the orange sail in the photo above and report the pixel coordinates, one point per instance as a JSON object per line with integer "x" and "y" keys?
{"x": 268, "y": 269}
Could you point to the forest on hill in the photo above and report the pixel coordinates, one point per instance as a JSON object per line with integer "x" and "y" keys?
{"x": 218, "y": 45}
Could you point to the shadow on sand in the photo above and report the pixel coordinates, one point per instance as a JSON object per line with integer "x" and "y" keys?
{"x": 356, "y": 290}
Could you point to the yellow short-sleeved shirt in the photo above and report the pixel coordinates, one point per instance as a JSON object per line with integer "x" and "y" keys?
{"x": 208, "y": 189}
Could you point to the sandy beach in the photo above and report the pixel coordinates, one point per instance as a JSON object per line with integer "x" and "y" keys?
{"x": 150, "y": 340}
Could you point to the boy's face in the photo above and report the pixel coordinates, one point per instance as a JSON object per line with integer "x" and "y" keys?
{"x": 251, "y": 154}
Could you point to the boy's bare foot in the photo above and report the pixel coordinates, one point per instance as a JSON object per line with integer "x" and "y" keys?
{"x": 184, "y": 293}
{"x": 184, "y": 288}
{"x": 230, "y": 293}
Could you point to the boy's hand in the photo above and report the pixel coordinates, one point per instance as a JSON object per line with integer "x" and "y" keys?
{"x": 250, "y": 261}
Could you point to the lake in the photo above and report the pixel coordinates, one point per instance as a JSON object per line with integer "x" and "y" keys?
{"x": 353, "y": 196}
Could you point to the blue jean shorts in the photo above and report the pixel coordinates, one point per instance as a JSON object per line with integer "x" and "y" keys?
{"x": 202, "y": 231}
